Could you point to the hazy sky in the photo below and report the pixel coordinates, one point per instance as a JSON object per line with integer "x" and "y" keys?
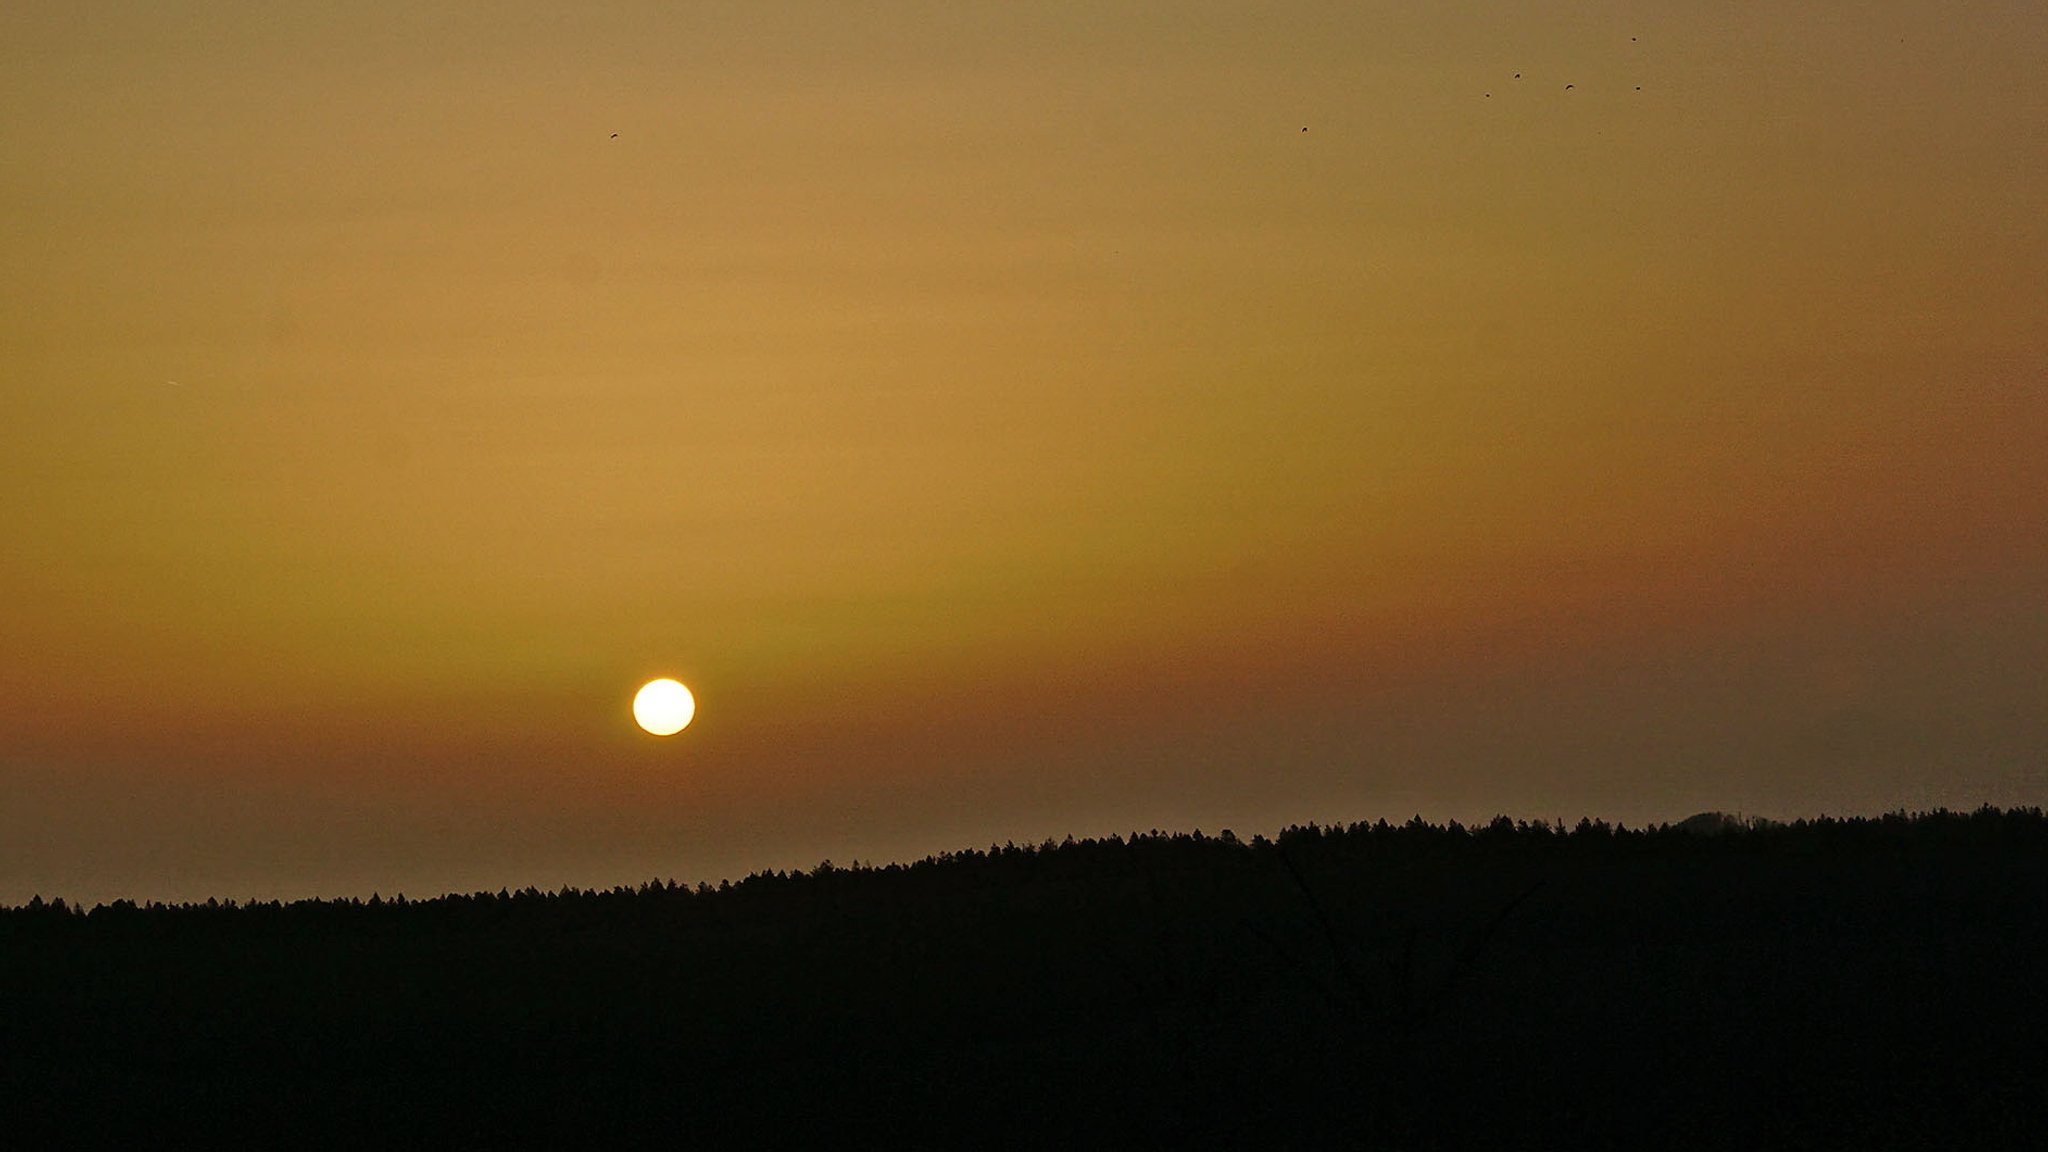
{"x": 1012, "y": 419}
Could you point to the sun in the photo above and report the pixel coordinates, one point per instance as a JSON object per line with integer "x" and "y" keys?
{"x": 663, "y": 707}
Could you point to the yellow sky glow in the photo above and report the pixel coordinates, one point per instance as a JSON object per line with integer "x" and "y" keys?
{"x": 1023, "y": 423}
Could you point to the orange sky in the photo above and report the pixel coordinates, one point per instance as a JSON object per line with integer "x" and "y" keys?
{"x": 1008, "y": 419}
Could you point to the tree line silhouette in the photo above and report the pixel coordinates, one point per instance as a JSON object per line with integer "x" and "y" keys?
{"x": 1717, "y": 983}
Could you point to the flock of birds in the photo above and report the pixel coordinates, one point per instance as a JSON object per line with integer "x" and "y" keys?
{"x": 1489, "y": 95}
{"x": 1567, "y": 87}
{"x": 1518, "y": 76}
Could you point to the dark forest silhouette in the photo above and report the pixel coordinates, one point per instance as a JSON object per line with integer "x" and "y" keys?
{"x": 1728, "y": 983}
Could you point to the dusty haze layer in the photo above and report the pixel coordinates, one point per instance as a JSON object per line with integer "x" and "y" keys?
{"x": 1012, "y": 420}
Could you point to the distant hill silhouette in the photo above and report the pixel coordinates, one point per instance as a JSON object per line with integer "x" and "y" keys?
{"x": 1717, "y": 823}
{"x": 1828, "y": 983}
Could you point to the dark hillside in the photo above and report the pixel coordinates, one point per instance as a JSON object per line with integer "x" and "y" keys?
{"x": 1823, "y": 984}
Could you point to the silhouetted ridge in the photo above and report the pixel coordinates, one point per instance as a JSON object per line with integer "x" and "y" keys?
{"x": 1858, "y": 982}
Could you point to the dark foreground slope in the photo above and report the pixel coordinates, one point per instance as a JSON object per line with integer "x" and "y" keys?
{"x": 1830, "y": 984}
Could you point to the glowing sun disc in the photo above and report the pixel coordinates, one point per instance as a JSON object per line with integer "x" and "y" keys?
{"x": 663, "y": 707}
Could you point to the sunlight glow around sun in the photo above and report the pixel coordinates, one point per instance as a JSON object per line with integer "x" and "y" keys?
{"x": 663, "y": 707}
